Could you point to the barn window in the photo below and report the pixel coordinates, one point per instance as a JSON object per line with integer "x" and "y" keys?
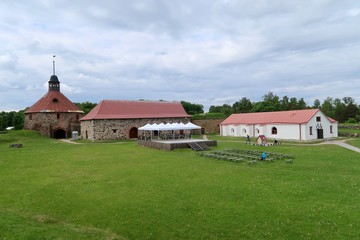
{"x": 57, "y": 116}
{"x": 30, "y": 117}
{"x": 114, "y": 130}
{"x": 232, "y": 130}
{"x": 311, "y": 130}
{"x": 331, "y": 129}
{"x": 318, "y": 119}
{"x": 274, "y": 130}
{"x": 244, "y": 130}
{"x": 257, "y": 131}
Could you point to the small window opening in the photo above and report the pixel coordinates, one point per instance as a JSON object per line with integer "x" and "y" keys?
{"x": 274, "y": 130}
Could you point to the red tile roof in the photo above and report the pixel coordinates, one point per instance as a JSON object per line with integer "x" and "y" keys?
{"x": 118, "y": 109}
{"x": 53, "y": 101}
{"x": 286, "y": 117}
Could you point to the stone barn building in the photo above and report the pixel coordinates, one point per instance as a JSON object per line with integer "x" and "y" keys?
{"x": 54, "y": 115}
{"x": 120, "y": 119}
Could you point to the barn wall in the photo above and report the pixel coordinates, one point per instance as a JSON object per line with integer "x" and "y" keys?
{"x": 116, "y": 129}
{"x": 210, "y": 125}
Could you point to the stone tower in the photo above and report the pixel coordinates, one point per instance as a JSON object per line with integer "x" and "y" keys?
{"x": 54, "y": 115}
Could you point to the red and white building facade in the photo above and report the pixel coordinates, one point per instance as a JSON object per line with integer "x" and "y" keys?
{"x": 300, "y": 125}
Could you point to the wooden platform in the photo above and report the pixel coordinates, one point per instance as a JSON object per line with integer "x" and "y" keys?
{"x": 169, "y": 145}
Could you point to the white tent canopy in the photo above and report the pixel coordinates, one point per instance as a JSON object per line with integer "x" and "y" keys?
{"x": 168, "y": 126}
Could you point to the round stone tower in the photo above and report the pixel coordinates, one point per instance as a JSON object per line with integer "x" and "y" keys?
{"x": 54, "y": 115}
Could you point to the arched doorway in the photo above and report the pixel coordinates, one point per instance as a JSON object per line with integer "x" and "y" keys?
{"x": 59, "y": 133}
{"x": 133, "y": 132}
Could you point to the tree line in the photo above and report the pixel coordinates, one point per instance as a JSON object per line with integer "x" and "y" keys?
{"x": 12, "y": 119}
{"x": 342, "y": 110}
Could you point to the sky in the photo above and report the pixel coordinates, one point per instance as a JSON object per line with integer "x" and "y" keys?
{"x": 201, "y": 51}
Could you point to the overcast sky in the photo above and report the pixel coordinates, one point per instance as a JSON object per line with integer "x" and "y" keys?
{"x": 201, "y": 51}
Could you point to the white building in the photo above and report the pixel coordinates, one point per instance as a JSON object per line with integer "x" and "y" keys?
{"x": 303, "y": 125}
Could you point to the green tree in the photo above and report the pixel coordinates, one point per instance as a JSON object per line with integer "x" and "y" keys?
{"x": 339, "y": 110}
{"x": 301, "y": 104}
{"x": 18, "y": 120}
{"x": 3, "y": 121}
{"x": 270, "y": 103}
{"x": 284, "y": 103}
{"x": 293, "y": 104}
{"x": 242, "y": 106}
{"x": 86, "y": 106}
{"x": 351, "y": 109}
{"x": 327, "y": 107}
{"x": 192, "y": 108}
{"x": 317, "y": 104}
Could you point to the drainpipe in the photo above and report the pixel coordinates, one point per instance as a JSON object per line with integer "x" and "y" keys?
{"x": 300, "y": 131}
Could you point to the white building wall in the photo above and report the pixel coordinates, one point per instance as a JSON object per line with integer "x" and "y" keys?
{"x": 285, "y": 131}
{"x": 324, "y": 124}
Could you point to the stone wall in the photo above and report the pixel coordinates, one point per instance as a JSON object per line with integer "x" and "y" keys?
{"x": 48, "y": 122}
{"x": 210, "y": 125}
{"x": 116, "y": 129}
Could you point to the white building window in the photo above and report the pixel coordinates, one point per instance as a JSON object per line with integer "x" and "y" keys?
{"x": 274, "y": 131}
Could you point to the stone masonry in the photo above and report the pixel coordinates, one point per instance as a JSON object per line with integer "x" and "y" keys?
{"x": 115, "y": 129}
{"x": 48, "y": 122}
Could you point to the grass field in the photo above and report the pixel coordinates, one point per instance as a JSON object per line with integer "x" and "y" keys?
{"x": 55, "y": 190}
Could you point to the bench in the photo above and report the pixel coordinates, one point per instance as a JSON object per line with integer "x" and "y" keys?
{"x": 252, "y": 162}
{"x": 16, "y": 145}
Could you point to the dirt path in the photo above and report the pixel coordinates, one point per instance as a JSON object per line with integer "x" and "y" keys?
{"x": 342, "y": 143}
{"x": 69, "y": 141}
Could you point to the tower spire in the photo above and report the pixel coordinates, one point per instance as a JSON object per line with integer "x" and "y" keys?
{"x": 54, "y": 64}
{"x": 54, "y": 84}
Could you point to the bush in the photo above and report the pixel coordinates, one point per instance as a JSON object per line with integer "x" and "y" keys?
{"x": 208, "y": 116}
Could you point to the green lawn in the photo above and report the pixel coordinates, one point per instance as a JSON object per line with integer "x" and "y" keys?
{"x": 55, "y": 190}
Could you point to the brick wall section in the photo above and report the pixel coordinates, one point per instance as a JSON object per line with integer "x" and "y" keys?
{"x": 116, "y": 129}
{"x": 48, "y": 123}
{"x": 210, "y": 125}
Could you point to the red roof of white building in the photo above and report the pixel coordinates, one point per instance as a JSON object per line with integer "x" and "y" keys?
{"x": 120, "y": 109}
{"x": 283, "y": 117}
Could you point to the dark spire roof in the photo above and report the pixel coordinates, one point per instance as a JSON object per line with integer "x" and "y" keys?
{"x": 54, "y": 78}
{"x": 54, "y": 84}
